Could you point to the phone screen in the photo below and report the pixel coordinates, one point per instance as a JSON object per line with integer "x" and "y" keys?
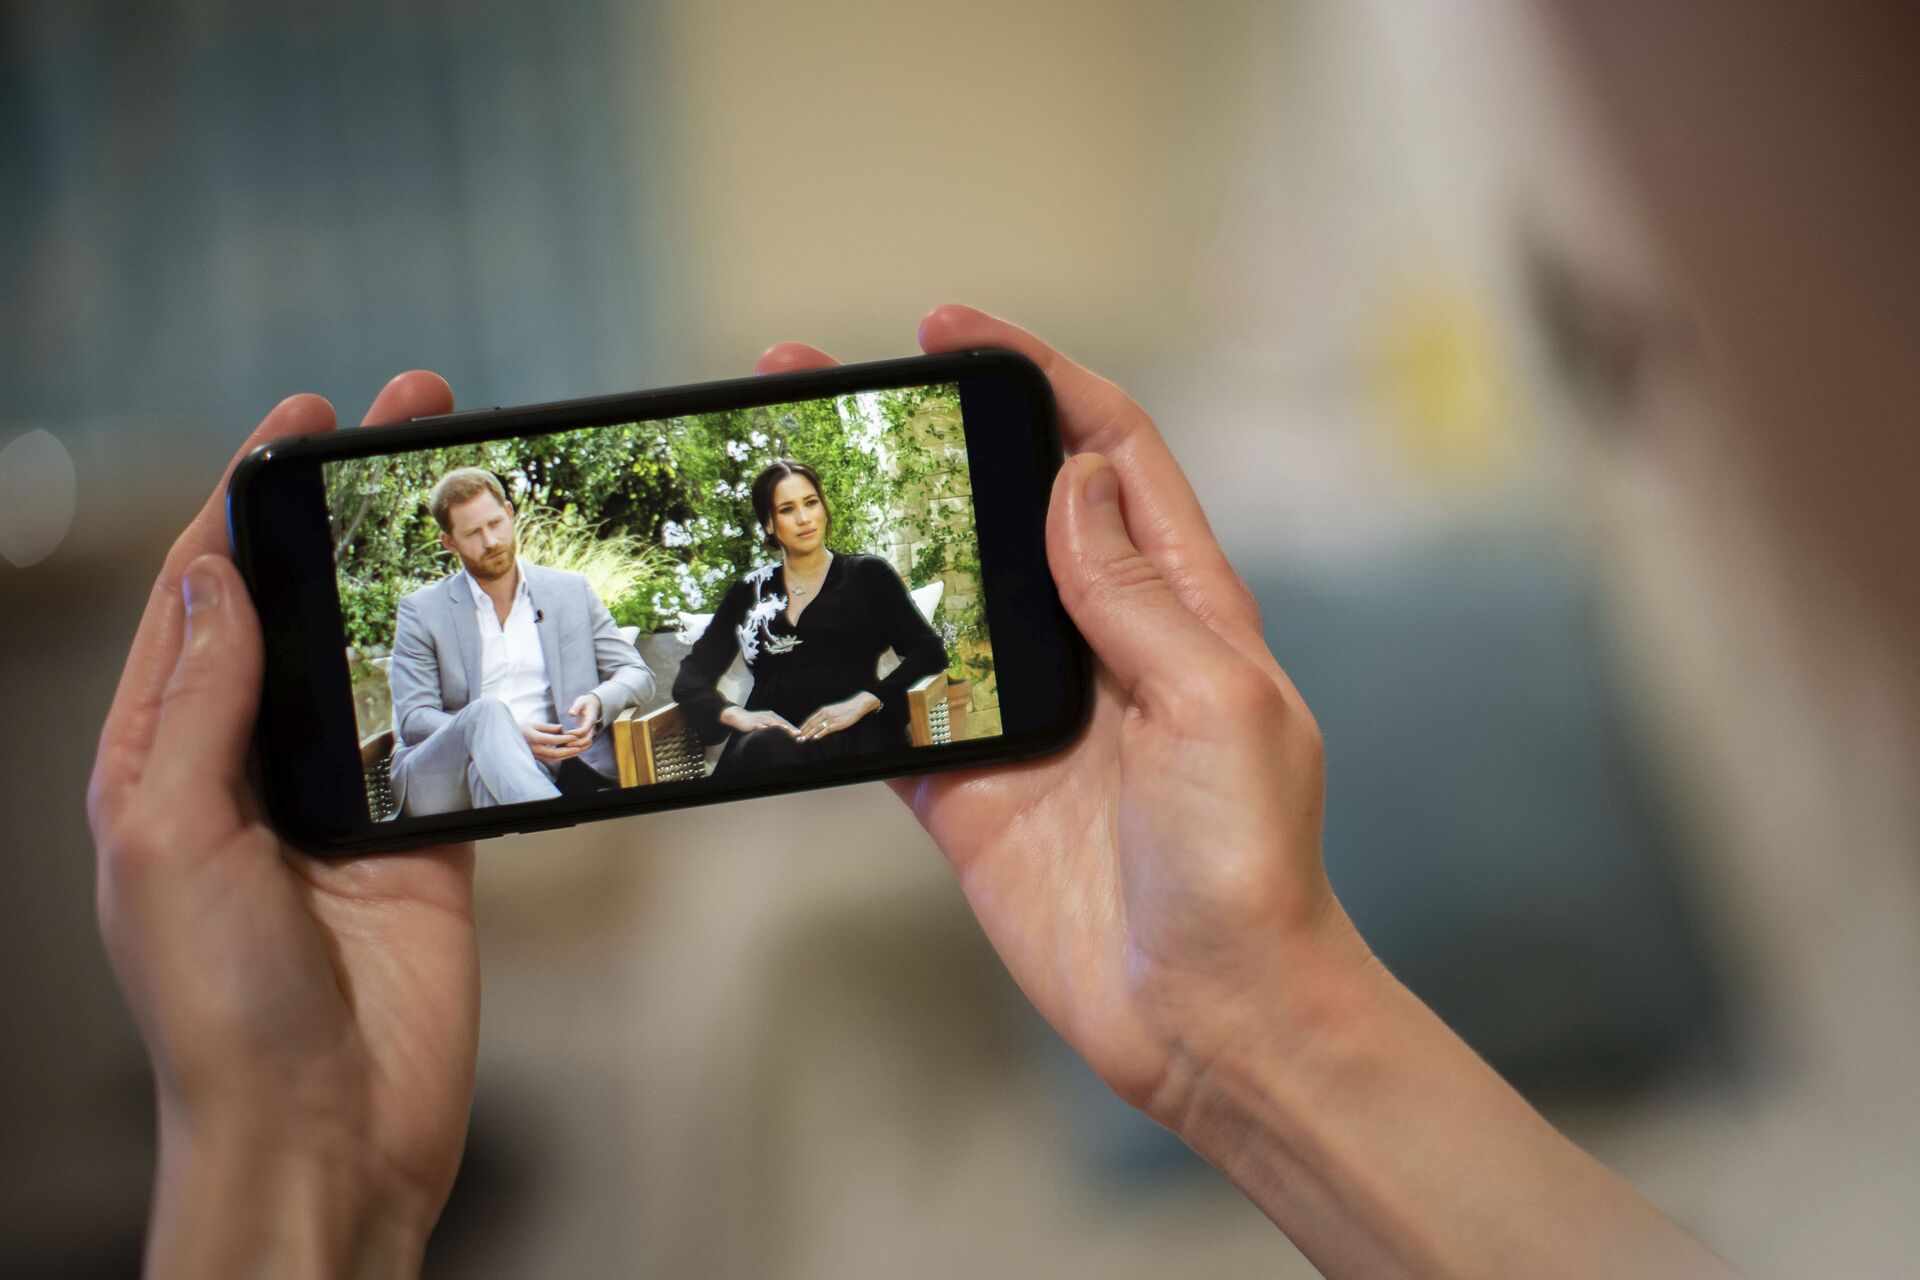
{"x": 694, "y": 605}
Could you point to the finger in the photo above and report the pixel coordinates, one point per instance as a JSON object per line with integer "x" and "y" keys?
{"x": 126, "y": 739}
{"x": 414, "y": 394}
{"x": 1168, "y": 660}
{"x": 207, "y": 711}
{"x": 1163, "y": 515}
{"x": 299, "y": 415}
{"x": 788, "y": 357}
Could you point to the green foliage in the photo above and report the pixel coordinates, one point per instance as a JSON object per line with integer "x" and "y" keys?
{"x": 659, "y": 514}
{"x": 624, "y": 571}
{"x": 927, "y": 446}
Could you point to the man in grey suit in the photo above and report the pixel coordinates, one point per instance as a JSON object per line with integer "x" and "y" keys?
{"x": 484, "y": 661}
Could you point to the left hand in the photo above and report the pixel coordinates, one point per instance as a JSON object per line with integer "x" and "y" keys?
{"x": 313, "y": 1025}
{"x": 586, "y": 708}
{"x": 836, "y": 716}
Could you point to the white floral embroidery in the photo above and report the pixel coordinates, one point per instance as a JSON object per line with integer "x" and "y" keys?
{"x": 759, "y": 620}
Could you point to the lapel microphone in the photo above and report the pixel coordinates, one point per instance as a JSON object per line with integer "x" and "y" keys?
{"x": 538, "y": 617}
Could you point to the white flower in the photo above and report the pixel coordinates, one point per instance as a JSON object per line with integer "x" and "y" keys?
{"x": 737, "y": 450}
{"x": 721, "y": 489}
{"x": 759, "y": 439}
{"x": 731, "y": 530}
{"x": 675, "y": 534}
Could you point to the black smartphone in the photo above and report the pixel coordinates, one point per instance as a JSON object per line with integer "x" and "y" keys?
{"x": 515, "y": 619}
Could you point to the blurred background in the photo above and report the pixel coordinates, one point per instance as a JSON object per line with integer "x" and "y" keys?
{"x": 1634, "y": 816}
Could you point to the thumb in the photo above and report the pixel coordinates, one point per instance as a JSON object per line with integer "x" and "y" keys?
{"x": 208, "y": 709}
{"x": 1136, "y": 625}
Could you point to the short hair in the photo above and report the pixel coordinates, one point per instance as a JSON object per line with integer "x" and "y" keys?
{"x": 457, "y": 486}
{"x": 769, "y": 479}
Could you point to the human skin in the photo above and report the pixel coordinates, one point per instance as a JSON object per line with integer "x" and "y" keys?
{"x": 1155, "y": 889}
{"x": 480, "y": 531}
{"x": 312, "y": 1025}
{"x": 799, "y": 525}
{"x": 1157, "y": 892}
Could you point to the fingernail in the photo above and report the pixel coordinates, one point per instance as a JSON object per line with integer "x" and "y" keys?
{"x": 1103, "y": 486}
{"x": 921, "y": 333}
{"x": 200, "y": 589}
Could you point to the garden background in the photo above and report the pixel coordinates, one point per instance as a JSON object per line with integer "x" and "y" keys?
{"x": 658, "y": 516}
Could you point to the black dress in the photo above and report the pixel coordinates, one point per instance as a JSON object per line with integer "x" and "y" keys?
{"x": 861, "y": 610}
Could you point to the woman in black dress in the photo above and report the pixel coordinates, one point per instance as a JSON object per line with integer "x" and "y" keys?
{"x": 811, "y": 629}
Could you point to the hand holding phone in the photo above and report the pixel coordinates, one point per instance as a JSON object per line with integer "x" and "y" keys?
{"x": 823, "y": 563}
{"x": 1166, "y": 866}
{"x": 1157, "y": 891}
{"x": 236, "y": 954}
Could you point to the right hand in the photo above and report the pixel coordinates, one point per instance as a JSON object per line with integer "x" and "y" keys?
{"x": 741, "y": 720}
{"x": 551, "y": 743}
{"x": 1156, "y": 889}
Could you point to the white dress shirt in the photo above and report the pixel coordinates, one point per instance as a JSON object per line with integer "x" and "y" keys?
{"x": 513, "y": 668}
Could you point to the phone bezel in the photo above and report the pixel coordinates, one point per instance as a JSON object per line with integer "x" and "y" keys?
{"x": 306, "y": 739}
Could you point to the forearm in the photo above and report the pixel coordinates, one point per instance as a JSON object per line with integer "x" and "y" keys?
{"x": 626, "y": 687}
{"x": 243, "y": 1202}
{"x": 1383, "y": 1146}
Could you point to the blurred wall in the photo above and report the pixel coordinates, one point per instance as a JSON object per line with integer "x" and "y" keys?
{"x": 1360, "y": 263}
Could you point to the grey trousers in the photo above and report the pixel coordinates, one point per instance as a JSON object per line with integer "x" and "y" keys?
{"x": 475, "y": 760}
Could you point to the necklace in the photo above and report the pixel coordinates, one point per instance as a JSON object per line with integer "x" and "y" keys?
{"x": 800, "y": 589}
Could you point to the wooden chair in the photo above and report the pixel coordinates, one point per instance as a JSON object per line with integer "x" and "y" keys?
{"x": 376, "y": 764}
{"x": 659, "y": 745}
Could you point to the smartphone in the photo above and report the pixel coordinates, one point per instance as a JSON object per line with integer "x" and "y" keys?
{"x": 515, "y": 619}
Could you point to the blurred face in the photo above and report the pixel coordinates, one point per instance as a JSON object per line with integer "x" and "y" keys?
{"x": 799, "y": 517}
{"x": 481, "y": 534}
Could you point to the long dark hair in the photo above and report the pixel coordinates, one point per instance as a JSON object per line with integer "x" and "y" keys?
{"x": 769, "y": 479}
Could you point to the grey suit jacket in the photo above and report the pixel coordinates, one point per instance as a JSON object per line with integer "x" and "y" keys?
{"x": 436, "y": 658}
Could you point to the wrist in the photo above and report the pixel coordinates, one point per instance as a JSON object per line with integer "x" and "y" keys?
{"x": 237, "y": 1197}
{"x": 1240, "y": 1078}
{"x": 1383, "y": 1145}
